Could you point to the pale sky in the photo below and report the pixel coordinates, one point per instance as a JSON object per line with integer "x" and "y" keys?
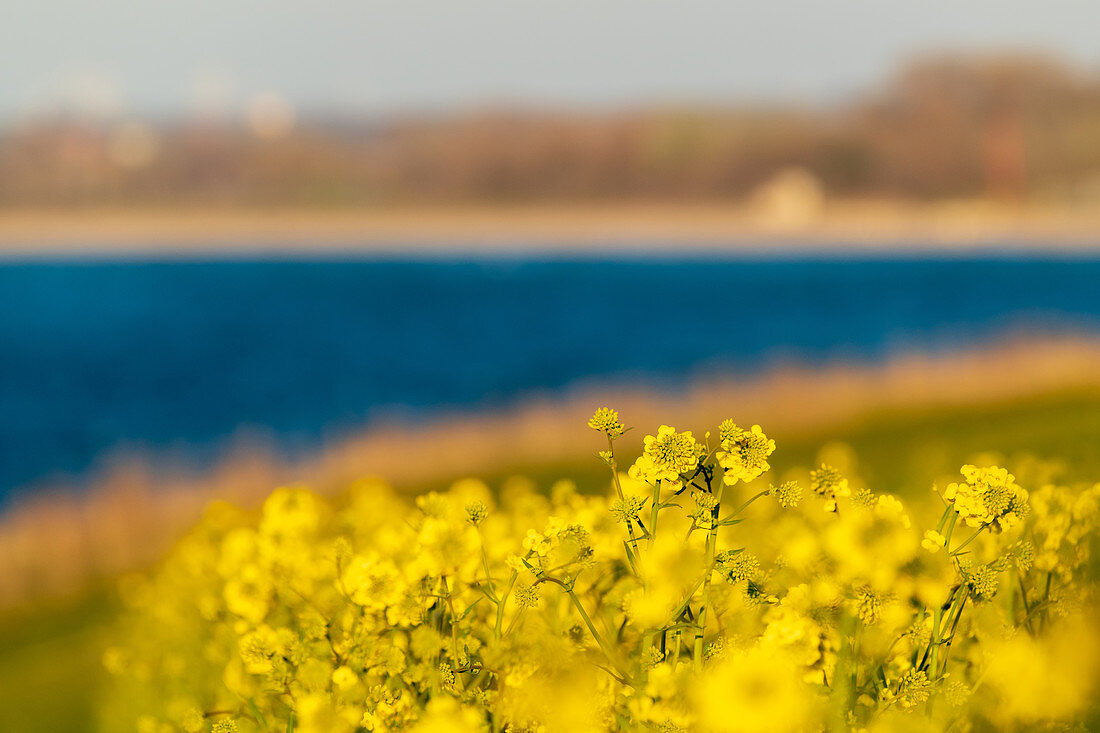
{"x": 180, "y": 57}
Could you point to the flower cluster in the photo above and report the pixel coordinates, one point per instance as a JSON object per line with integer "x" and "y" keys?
{"x": 671, "y": 598}
{"x": 988, "y": 497}
{"x": 744, "y": 453}
{"x": 606, "y": 421}
{"x": 666, "y": 456}
{"x": 788, "y": 493}
{"x": 829, "y": 483}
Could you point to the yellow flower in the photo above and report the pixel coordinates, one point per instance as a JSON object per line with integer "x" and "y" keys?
{"x": 890, "y": 508}
{"x": 737, "y": 565}
{"x": 192, "y": 720}
{"x": 530, "y": 610}
{"x": 372, "y": 582}
{"x": 476, "y": 512}
{"x": 829, "y": 483}
{"x": 626, "y": 509}
{"x": 755, "y": 691}
{"x": 988, "y": 496}
{"x": 258, "y": 649}
{"x": 981, "y": 580}
{"x": 319, "y": 713}
{"x": 869, "y": 605}
{"x": 788, "y": 493}
{"x": 607, "y": 422}
{"x": 744, "y": 454}
{"x": 344, "y": 678}
{"x": 913, "y": 689}
{"x": 527, "y": 596}
{"x": 248, "y": 594}
{"x": 290, "y": 511}
{"x": 1048, "y": 678}
{"x": 666, "y": 456}
{"x": 933, "y": 541}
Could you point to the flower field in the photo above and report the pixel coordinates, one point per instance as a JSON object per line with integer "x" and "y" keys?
{"x": 692, "y": 588}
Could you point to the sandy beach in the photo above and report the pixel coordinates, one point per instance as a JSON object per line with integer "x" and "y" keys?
{"x": 612, "y": 228}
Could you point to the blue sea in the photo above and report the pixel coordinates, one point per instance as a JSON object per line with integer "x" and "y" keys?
{"x": 176, "y": 357}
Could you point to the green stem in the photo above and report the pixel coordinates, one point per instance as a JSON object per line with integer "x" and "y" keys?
{"x": 934, "y": 642}
{"x": 488, "y": 575}
{"x": 608, "y": 652}
{"x": 712, "y": 541}
{"x": 502, "y": 603}
{"x": 971, "y": 539}
{"x": 950, "y": 529}
{"x": 1040, "y": 606}
{"x": 1046, "y": 597}
{"x": 454, "y": 618}
{"x": 653, "y": 512}
{"x": 630, "y": 558}
{"x": 687, "y": 599}
{"x": 951, "y": 636}
{"x": 631, "y": 555}
{"x": 878, "y": 667}
{"x": 932, "y": 650}
{"x": 947, "y": 511}
{"x": 943, "y": 517}
{"x": 515, "y": 620}
{"x": 745, "y": 506}
{"x": 676, "y": 654}
{"x": 1023, "y": 597}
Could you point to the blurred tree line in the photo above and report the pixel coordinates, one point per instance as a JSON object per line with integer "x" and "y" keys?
{"x": 1012, "y": 127}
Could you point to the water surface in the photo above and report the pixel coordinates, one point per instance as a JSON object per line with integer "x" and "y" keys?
{"x": 179, "y": 355}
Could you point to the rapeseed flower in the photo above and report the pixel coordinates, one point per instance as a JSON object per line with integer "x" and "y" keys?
{"x": 933, "y": 541}
{"x": 744, "y": 453}
{"x": 528, "y": 610}
{"x": 828, "y": 483}
{"x": 738, "y": 565}
{"x": 606, "y": 421}
{"x": 666, "y": 456}
{"x": 988, "y": 497}
{"x": 753, "y": 692}
{"x": 788, "y": 493}
{"x": 626, "y": 509}
{"x": 914, "y": 689}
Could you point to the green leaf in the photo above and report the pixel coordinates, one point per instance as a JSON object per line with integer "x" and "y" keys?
{"x": 256, "y": 712}
{"x": 488, "y": 594}
{"x": 469, "y": 608}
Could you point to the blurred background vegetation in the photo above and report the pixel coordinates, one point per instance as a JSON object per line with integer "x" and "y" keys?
{"x": 1012, "y": 127}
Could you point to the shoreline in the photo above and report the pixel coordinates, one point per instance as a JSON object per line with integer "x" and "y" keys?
{"x": 55, "y": 544}
{"x": 614, "y": 228}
